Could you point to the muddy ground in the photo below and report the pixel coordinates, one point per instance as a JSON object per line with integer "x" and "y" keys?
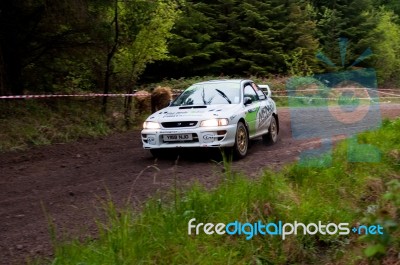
{"x": 68, "y": 181}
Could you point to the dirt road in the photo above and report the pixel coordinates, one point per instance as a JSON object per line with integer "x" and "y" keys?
{"x": 67, "y": 181}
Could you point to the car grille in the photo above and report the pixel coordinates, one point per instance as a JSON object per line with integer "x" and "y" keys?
{"x": 179, "y": 124}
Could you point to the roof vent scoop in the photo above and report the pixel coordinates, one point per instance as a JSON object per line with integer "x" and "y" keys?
{"x": 193, "y": 107}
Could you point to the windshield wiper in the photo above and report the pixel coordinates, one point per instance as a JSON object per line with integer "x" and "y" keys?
{"x": 203, "y": 97}
{"x": 224, "y": 96}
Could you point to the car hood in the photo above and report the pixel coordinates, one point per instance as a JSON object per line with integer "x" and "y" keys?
{"x": 203, "y": 112}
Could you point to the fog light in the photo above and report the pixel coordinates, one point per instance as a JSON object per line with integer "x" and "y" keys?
{"x": 221, "y": 132}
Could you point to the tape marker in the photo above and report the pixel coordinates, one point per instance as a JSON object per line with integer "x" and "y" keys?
{"x": 77, "y": 95}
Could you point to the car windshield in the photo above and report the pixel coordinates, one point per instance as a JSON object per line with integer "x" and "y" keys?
{"x": 209, "y": 94}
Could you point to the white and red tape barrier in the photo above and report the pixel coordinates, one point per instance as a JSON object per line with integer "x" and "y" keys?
{"x": 74, "y": 95}
{"x": 175, "y": 94}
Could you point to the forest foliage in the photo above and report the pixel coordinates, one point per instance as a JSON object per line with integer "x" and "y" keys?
{"x": 49, "y": 46}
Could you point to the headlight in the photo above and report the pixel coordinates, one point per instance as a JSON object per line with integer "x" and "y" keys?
{"x": 151, "y": 125}
{"x": 214, "y": 122}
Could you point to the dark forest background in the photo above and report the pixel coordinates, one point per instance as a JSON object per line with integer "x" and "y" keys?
{"x": 52, "y": 46}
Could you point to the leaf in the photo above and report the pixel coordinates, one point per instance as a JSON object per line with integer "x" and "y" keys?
{"x": 374, "y": 250}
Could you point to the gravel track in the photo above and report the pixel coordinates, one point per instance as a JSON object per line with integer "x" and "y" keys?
{"x": 67, "y": 181}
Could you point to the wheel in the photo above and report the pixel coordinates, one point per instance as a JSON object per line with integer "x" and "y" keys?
{"x": 272, "y": 136}
{"x": 241, "y": 141}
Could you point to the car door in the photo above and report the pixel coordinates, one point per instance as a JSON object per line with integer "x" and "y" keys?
{"x": 265, "y": 111}
{"x": 251, "y": 103}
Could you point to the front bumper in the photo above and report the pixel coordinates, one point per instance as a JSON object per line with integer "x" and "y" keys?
{"x": 221, "y": 136}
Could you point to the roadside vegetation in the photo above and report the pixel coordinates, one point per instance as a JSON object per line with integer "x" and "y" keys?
{"x": 102, "y": 46}
{"x": 34, "y": 122}
{"x": 350, "y": 192}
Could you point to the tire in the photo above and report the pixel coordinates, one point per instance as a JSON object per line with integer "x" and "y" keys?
{"x": 241, "y": 141}
{"x": 272, "y": 136}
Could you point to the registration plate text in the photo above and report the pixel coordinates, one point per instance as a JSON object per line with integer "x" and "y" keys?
{"x": 177, "y": 137}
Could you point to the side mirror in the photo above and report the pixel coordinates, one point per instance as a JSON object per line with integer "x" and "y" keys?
{"x": 247, "y": 101}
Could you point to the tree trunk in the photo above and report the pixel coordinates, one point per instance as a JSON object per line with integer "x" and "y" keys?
{"x": 11, "y": 50}
{"x": 10, "y": 71}
{"x": 110, "y": 55}
{"x": 2, "y": 74}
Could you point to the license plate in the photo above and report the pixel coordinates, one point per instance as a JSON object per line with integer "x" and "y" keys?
{"x": 177, "y": 137}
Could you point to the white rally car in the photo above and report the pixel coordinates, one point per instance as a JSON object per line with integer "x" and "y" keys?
{"x": 217, "y": 113}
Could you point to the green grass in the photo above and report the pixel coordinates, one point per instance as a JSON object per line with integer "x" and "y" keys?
{"x": 32, "y": 122}
{"x": 341, "y": 192}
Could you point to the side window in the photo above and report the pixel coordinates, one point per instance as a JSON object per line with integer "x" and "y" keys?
{"x": 249, "y": 92}
{"x": 260, "y": 93}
